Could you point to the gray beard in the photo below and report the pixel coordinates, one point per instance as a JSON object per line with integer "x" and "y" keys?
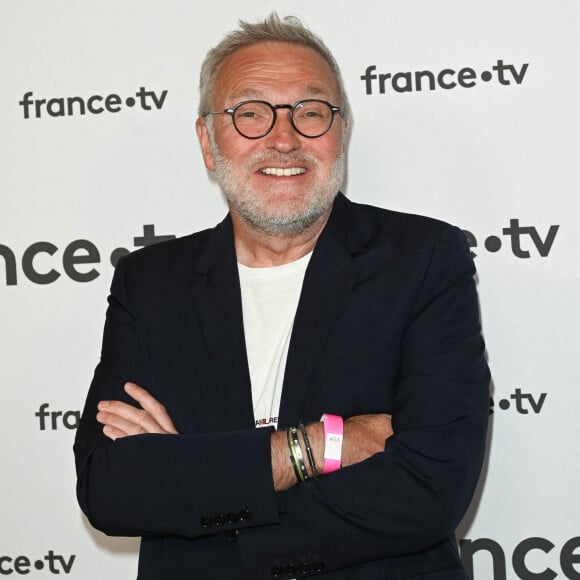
{"x": 243, "y": 201}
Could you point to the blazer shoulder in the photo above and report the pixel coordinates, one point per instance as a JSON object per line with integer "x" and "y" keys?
{"x": 168, "y": 251}
{"x": 399, "y": 222}
{"x": 377, "y": 225}
{"x": 185, "y": 252}
{"x": 166, "y": 270}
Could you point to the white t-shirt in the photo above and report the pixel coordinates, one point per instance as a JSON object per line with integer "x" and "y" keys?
{"x": 269, "y": 301}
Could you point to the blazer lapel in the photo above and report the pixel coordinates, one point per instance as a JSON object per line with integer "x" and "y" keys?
{"x": 216, "y": 291}
{"x": 328, "y": 281}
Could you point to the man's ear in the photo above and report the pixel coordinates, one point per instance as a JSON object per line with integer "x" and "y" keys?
{"x": 203, "y": 136}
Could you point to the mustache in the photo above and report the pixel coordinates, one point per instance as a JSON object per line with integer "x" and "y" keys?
{"x": 277, "y": 157}
{"x": 261, "y": 158}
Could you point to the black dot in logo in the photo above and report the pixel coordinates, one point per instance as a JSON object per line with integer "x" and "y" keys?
{"x": 492, "y": 244}
{"x": 130, "y": 101}
{"x": 117, "y": 254}
{"x": 39, "y": 564}
{"x": 504, "y": 404}
{"x": 486, "y": 76}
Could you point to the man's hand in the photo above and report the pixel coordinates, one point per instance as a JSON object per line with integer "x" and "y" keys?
{"x": 123, "y": 420}
{"x": 364, "y": 435}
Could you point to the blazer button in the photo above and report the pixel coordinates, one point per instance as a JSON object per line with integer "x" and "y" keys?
{"x": 205, "y": 522}
{"x": 277, "y": 570}
{"x": 233, "y": 518}
{"x": 220, "y": 520}
{"x": 245, "y": 515}
{"x": 318, "y": 566}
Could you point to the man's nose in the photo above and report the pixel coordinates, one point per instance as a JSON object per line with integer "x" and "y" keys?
{"x": 283, "y": 137}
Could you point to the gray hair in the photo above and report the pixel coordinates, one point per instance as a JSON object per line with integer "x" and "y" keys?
{"x": 274, "y": 29}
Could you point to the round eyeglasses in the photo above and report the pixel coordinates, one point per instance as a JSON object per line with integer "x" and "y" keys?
{"x": 254, "y": 119}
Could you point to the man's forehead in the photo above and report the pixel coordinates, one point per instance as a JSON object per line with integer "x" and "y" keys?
{"x": 310, "y": 91}
{"x": 264, "y": 70}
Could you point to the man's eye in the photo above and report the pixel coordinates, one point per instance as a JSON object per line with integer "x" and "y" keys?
{"x": 311, "y": 112}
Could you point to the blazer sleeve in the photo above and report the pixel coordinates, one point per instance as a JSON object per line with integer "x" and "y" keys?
{"x": 186, "y": 485}
{"x": 413, "y": 495}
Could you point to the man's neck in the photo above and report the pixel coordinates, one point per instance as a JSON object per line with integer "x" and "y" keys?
{"x": 257, "y": 249}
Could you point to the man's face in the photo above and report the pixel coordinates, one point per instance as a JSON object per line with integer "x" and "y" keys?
{"x": 245, "y": 168}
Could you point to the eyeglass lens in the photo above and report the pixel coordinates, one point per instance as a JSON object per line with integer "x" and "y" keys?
{"x": 311, "y": 118}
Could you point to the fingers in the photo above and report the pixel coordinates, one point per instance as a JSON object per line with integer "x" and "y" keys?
{"x": 125, "y": 419}
{"x": 121, "y": 419}
{"x": 151, "y": 406}
{"x": 113, "y": 433}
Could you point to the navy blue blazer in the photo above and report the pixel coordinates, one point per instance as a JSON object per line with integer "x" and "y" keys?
{"x": 387, "y": 321}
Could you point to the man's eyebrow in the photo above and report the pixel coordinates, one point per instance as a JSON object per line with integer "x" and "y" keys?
{"x": 246, "y": 94}
{"x": 318, "y": 91}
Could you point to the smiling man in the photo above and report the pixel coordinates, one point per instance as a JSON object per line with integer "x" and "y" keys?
{"x": 350, "y": 332}
{"x": 281, "y": 177}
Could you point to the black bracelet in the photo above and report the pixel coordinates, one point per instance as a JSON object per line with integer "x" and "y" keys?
{"x": 293, "y": 455}
{"x": 308, "y": 451}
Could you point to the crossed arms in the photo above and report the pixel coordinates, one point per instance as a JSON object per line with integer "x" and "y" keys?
{"x": 364, "y": 435}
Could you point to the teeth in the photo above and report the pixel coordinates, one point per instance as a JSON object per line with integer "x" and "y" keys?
{"x": 283, "y": 172}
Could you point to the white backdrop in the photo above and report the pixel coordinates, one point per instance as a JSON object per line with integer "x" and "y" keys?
{"x": 497, "y": 156}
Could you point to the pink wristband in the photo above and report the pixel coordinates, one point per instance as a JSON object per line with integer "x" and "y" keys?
{"x": 333, "y": 430}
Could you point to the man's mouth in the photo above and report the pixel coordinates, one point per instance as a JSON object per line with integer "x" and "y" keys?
{"x": 283, "y": 171}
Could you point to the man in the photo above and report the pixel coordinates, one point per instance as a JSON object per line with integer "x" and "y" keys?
{"x": 300, "y": 303}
